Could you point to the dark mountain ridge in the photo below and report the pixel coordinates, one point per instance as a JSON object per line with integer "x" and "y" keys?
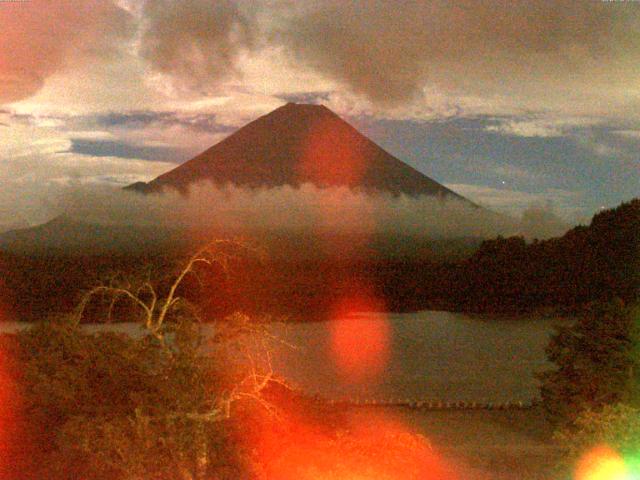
{"x": 505, "y": 275}
{"x": 65, "y": 235}
{"x": 297, "y": 144}
{"x": 590, "y": 263}
{"x": 293, "y": 145}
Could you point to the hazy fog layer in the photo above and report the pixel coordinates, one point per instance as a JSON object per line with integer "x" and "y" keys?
{"x": 338, "y": 210}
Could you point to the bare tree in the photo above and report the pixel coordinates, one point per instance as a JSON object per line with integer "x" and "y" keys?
{"x": 157, "y": 310}
{"x": 240, "y": 346}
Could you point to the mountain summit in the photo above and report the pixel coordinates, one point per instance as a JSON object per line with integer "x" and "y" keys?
{"x": 297, "y": 144}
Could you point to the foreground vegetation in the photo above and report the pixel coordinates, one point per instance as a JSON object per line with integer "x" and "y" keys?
{"x": 593, "y": 394}
{"x": 165, "y": 405}
{"x": 109, "y": 406}
{"x": 154, "y": 406}
{"x": 113, "y": 406}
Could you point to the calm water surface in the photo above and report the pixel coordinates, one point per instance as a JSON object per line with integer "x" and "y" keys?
{"x": 436, "y": 356}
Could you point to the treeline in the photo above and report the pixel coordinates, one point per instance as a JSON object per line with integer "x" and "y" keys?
{"x": 37, "y": 287}
{"x": 504, "y": 275}
{"x": 297, "y": 278}
{"x": 589, "y": 263}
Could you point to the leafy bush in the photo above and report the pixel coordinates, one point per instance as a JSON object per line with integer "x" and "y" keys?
{"x": 112, "y": 406}
{"x": 150, "y": 405}
{"x": 597, "y": 362}
{"x": 615, "y": 427}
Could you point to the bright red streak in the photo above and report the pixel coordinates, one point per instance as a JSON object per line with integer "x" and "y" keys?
{"x": 333, "y": 155}
{"x": 360, "y": 346}
{"x": 8, "y": 417}
{"x": 371, "y": 449}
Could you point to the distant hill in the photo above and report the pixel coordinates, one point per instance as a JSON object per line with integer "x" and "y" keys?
{"x": 67, "y": 236}
{"x": 7, "y": 227}
{"x": 297, "y": 144}
{"x": 595, "y": 262}
{"x": 64, "y": 235}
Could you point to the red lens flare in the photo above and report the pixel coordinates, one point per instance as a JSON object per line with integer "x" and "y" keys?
{"x": 360, "y": 346}
{"x": 370, "y": 449}
{"x": 12, "y": 451}
{"x": 9, "y": 441}
{"x": 335, "y": 155}
{"x": 601, "y": 463}
{"x": 5, "y": 414}
{"x": 332, "y": 155}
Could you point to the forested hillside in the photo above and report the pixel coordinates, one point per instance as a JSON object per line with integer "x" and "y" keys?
{"x": 595, "y": 262}
{"x": 504, "y": 275}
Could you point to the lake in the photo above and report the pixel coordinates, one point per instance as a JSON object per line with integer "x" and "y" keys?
{"x": 437, "y": 356}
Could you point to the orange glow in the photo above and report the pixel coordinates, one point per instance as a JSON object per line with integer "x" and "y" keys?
{"x": 602, "y": 463}
{"x": 360, "y": 347}
{"x": 372, "y": 448}
{"x": 332, "y": 155}
{"x": 307, "y": 446}
{"x": 13, "y": 454}
{"x": 8, "y": 417}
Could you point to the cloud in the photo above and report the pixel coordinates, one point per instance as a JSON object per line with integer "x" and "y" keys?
{"x": 110, "y": 148}
{"x": 195, "y": 42}
{"x": 542, "y": 52}
{"x": 513, "y": 172}
{"x": 429, "y": 103}
{"x": 423, "y": 59}
{"x": 540, "y": 126}
{"x": 515, "y": 202}
{"x": 31, "y": 188}
{"x": 161, "y": 135}
{"x": 40, "y": 38}
{"x": 526, "y": 129}
{"x": 308, "y": 208}
{"x": 606, "y": 143}
{"x": 150, "y": 135}
{"x": 34, "y": 171}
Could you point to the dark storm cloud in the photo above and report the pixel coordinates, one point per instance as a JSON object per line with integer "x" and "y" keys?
{"x": 141, "y": 119}
{"x": 388, "y": 51}
{"x": 109, "y": 148}
{"x": 195, "y": 41}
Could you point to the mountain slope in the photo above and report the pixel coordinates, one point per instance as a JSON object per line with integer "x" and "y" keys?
{"x": 64, "y": 235}
{"x": 298, "y": 144}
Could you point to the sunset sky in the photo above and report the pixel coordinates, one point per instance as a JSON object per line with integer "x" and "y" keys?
{"x": 508, "y": 102}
